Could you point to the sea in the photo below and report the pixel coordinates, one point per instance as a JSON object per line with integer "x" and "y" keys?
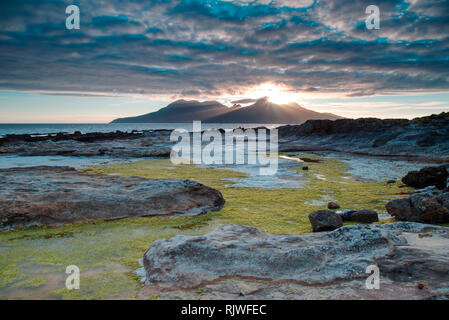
{"x": 40, "y": 128}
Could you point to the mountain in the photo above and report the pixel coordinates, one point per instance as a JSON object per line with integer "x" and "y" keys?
{"x": 262, "y": 111}
{"x": 180, "y": 111}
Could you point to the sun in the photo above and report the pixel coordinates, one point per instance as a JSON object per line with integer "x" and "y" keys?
{"x": 275, "y": 93}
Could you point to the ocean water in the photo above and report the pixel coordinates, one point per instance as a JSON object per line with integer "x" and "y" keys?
{"x": 41, "y": 128}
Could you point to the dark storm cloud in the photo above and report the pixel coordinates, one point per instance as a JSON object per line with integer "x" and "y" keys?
{"x": 205, "y": 48}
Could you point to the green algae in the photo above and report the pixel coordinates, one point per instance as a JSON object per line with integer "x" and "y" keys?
{"x": 108, "y": 251}
{"x": 32, "y": 283}
{"x": 271, "y": 209}
{"x": 10, "y": 273}
{"x": 106, "y": 285}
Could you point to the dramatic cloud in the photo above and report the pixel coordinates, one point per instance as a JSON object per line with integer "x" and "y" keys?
{"x": 213, "y": 48}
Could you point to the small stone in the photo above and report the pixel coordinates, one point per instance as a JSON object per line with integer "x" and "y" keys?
{"x": 305, "y": 168}
{"x": 333, "y": 205}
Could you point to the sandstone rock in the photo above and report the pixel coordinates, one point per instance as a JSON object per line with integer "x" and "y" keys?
{"x": 38, "y": 196}
{"x": 428, "y": 176}
{"x": 234, "y": 251}
{"x": 332, "y": 205}
{"x": 428, "y": 205}
{"x": 325, "y": 220}
{"x": 366, "y": 216}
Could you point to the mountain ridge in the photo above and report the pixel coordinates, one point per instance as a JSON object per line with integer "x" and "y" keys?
{"x": 261, "y": 111}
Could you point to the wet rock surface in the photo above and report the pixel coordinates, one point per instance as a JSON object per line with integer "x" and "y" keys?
{"x": 428, "y": 176}
{"x": 428, "y": 205}
{"x": 406, "y": 254}
{"x": 52, "y": 196}
{"x": 325, "y": 220}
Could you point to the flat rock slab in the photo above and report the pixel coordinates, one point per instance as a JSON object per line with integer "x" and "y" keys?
{"x": 53, "y": 196}
{"x": 403, "y": 251}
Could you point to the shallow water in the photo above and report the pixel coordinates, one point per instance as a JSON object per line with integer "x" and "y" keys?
{"x": 11, "y": 161}
{"x": 376, "y": 168}
{"x": 284, "y": 178}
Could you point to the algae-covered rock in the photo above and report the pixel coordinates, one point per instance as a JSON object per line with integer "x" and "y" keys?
{"x": 38, "y": 196}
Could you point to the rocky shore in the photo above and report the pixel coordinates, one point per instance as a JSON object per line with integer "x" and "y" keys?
{"x": 407, "y": 254}
{"x": 151, "y": 143}
{"x": 260, "y": 245}
{"x": 426, "y": 137}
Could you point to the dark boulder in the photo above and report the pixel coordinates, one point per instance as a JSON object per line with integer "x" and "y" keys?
{"x": 428, "y": 205}
{"x": 325, "y": 220}
{"x": 428, "y": 176}
{"x": 365, "y": 216}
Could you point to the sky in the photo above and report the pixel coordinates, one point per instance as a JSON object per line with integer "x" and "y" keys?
{"x": 136, "y": 56}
